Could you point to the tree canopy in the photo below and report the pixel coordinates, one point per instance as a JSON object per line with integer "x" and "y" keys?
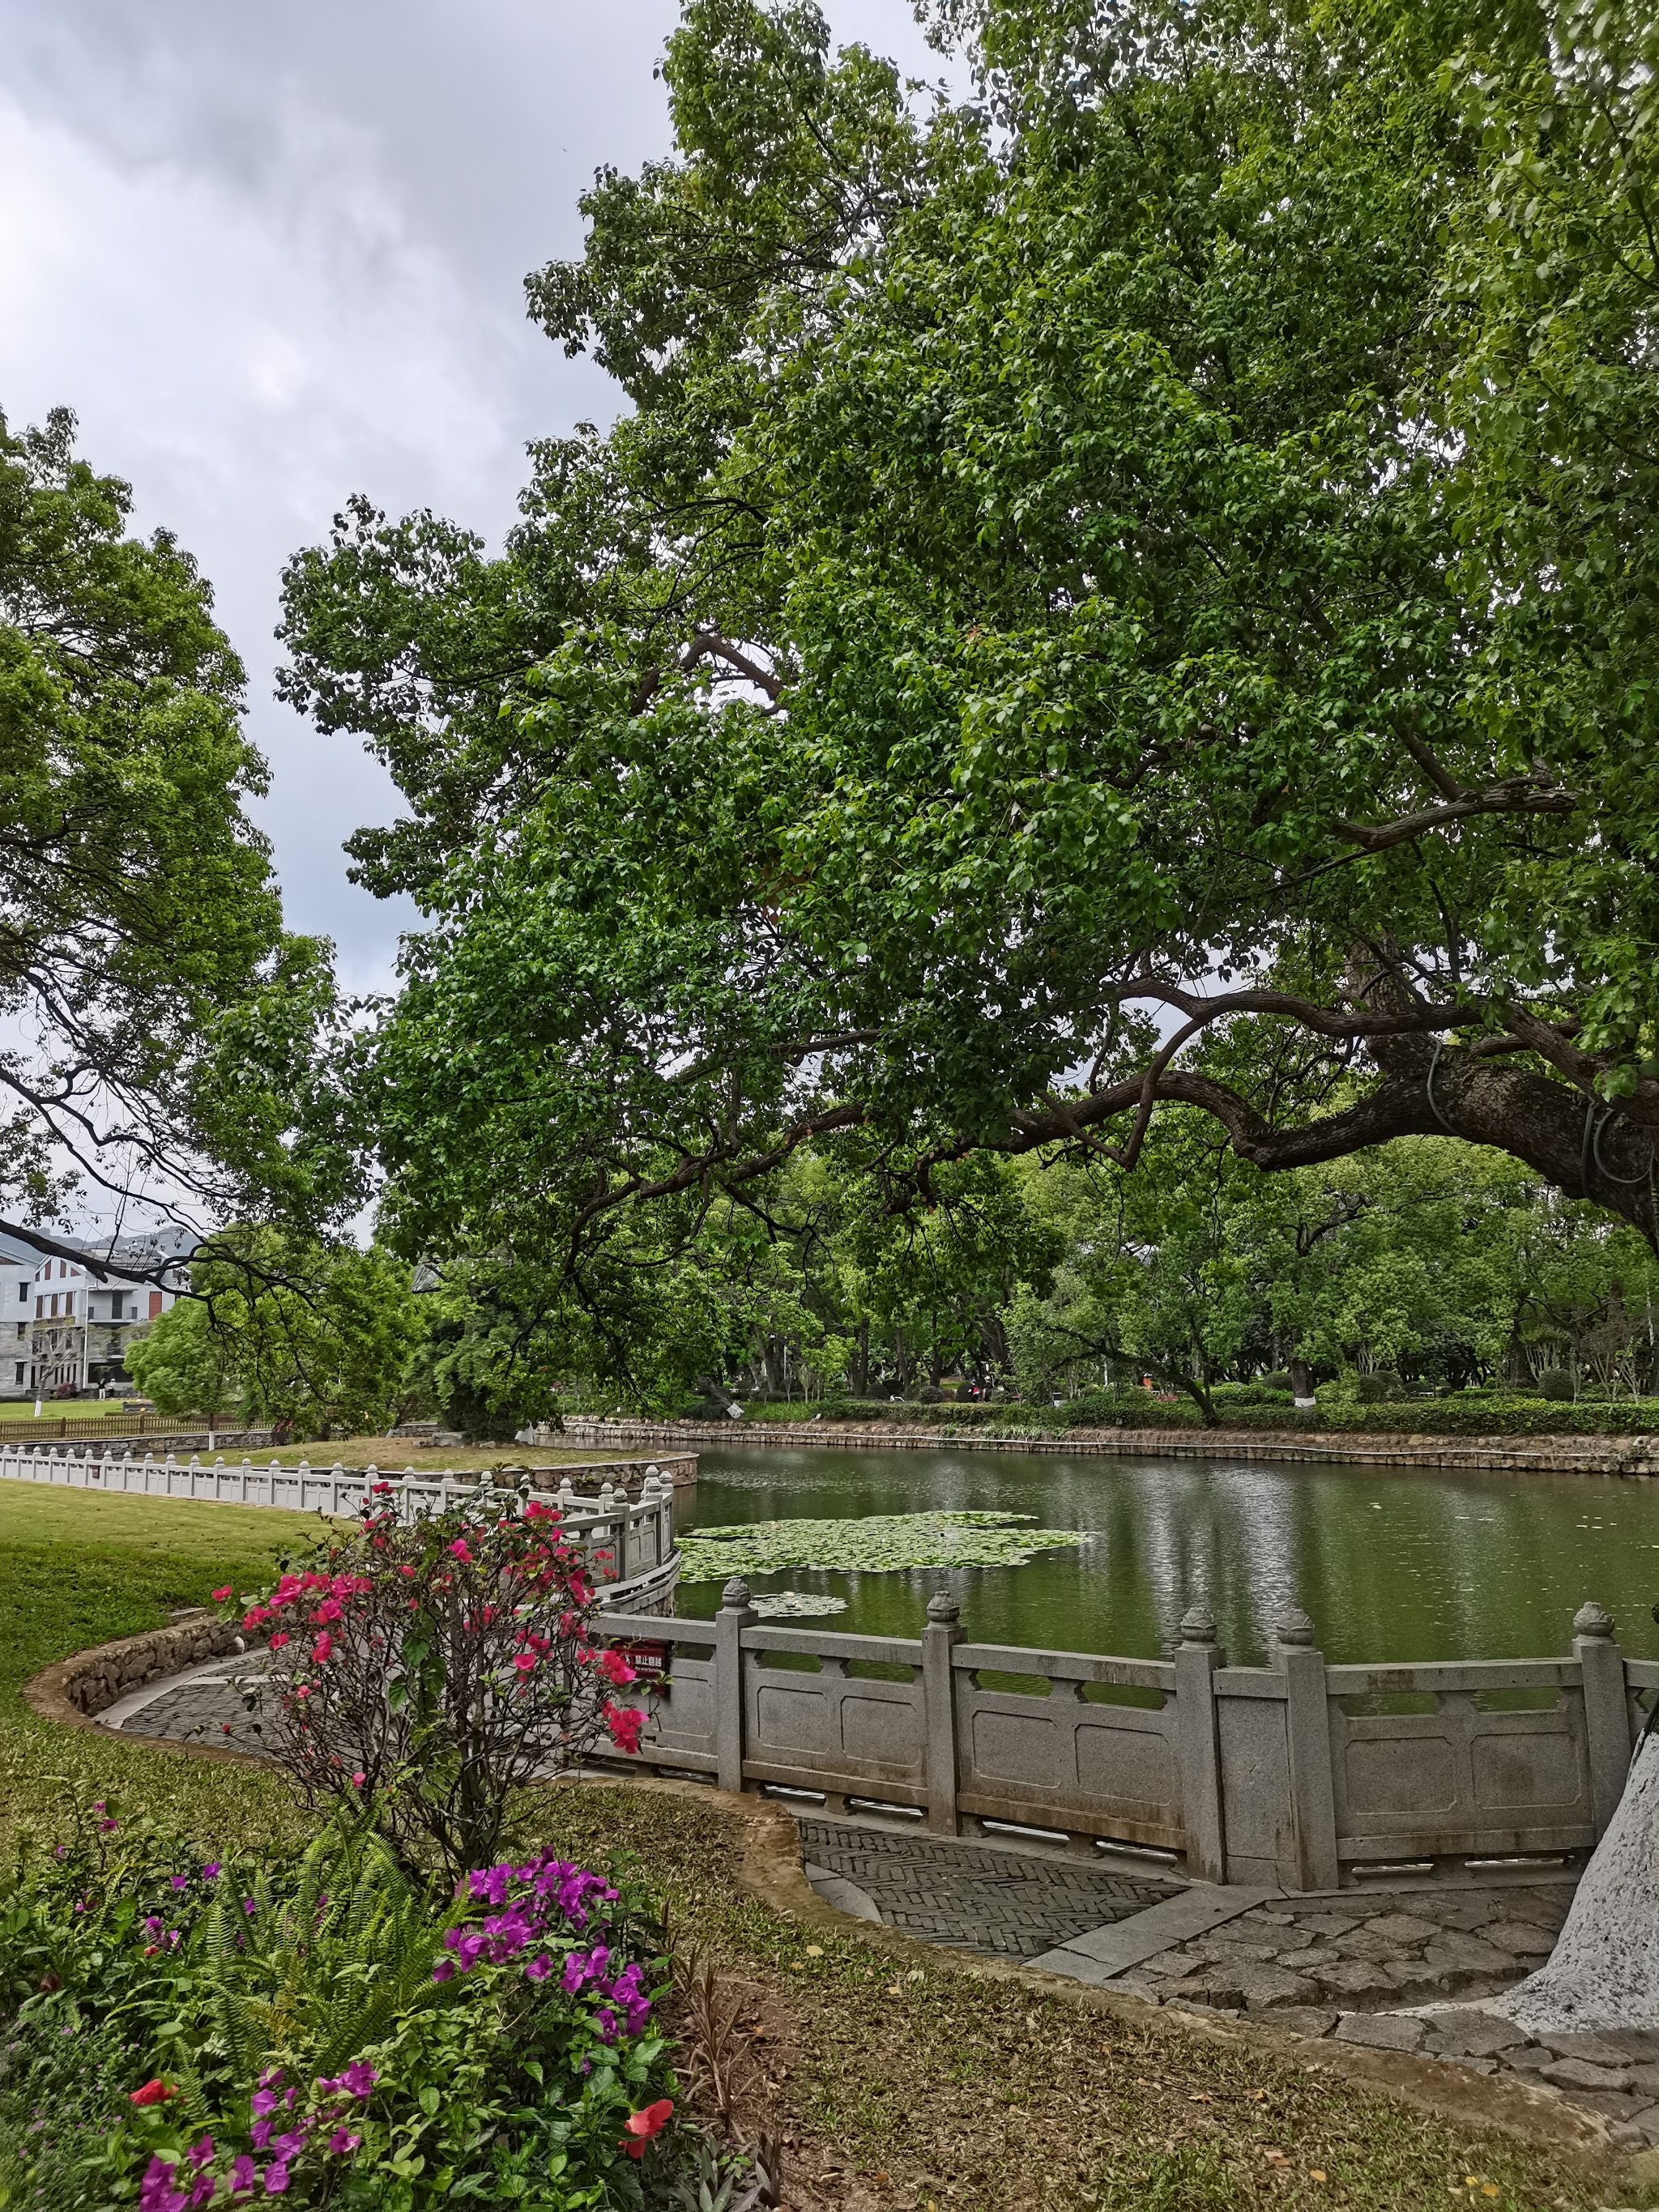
{"x": 138, "y": 918}
{"x": 1135, "y": 590}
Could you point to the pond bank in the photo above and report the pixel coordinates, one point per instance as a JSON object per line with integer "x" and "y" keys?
{"x": 1607, "y": 1456}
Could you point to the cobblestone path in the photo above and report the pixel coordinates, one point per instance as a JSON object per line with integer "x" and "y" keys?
{"x": 968, "y": 1896}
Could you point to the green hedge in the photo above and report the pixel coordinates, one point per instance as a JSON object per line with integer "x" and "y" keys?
{"x": 1473, "y": 1414}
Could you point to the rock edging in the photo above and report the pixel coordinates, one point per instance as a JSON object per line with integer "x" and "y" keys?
{"x": 1557, "y": 1455}
{"x": 74, "y": 1691}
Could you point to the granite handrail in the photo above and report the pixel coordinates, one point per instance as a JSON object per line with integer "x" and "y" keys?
{"x": 1297, "y": 1776}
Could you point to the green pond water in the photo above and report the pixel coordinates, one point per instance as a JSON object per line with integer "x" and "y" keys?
{"x": 1392, "y": 1564}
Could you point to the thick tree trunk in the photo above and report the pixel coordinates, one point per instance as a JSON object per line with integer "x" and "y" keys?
{"x": 1604, "y": 1970}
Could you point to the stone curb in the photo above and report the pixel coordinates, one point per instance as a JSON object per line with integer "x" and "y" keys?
{"x": 770, "y": 1870}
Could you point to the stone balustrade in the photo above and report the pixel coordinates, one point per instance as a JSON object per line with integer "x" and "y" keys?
{"x": 628, "y": 1542}
{"x": 1296, "y": 1777}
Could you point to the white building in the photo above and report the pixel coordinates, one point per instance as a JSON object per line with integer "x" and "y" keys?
{"x": 78, "y": 1319}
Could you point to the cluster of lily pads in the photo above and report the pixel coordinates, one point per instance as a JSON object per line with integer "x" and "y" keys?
{"x": 881, "y": 1543}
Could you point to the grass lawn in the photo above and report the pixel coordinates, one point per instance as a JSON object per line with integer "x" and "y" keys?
{"x": 399, "y": 1452}
{"x": 19, "y": 1412}
{"x": 900, "y": 2079}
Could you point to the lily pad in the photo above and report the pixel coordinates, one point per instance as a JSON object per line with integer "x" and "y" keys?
{"x": 794, "y": 1605}
{"x": 881, "y": 1544}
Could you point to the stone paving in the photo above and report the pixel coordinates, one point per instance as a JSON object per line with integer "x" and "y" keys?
{"x": 206, "y": 1705}
{"x": 1615, "y": 2072}
{"x": 1358, "y": 1952}
{"x": 968, "y": 1896}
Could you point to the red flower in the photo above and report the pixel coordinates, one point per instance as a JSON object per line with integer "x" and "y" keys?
{"x": 323, "y": 1648}
{"x": 220, "y": 1595}
{"x": 642, "y": 2126}
{"x": 157, "y": 2092}
{"x": 624, "y": 1724}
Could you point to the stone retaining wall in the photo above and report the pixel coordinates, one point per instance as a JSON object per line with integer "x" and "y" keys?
{"x": 94, "y": 1680}
{"x": 1609, "y": 1455}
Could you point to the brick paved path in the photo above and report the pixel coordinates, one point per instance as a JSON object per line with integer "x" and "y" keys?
{"x": 207, "y": 1705}
{"x": 968, "y": 1896}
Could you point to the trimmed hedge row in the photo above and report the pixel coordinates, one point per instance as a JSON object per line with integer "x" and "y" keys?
{"x": 1473, "y": 1416}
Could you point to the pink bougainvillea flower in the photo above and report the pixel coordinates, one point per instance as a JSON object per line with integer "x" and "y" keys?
{"x": 623, "y": 1724}
{"x": 155, "y": 2091}
{"x": 279, "y": 1639}
{"x": 526, "y": 1662}
{"x": 459, "y": 1549}
{"x": 220, "y": 1595}
{"x": 201, "y": 2153}
{"x": 358, "y": 1779}
{"x": 642, "y": 2126}
{"x": 444, "y": 1971}
{"x": 616, "y": 1669}
{"x": 323, "y": 1649}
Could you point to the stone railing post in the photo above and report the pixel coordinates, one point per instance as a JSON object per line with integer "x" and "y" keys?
{"x": 1308, "y": 1737}
{"x": 938, "y": 1710}
{"x": 1606, "y": 1708}
{"x": 734, "y": 1616}
{"x": 1195, "y": 1662}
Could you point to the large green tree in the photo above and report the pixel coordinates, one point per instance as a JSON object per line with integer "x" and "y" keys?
{"x": 138, "y": 917}
{"x": 1136, "y": 588}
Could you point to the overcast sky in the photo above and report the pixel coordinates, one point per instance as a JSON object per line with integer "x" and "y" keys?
{"x": 271, "y": 251}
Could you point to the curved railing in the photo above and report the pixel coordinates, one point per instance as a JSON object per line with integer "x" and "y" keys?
{"x": 627, "y": 1544}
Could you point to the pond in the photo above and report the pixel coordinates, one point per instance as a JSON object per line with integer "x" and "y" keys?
{"x": 1391, "y": 1564}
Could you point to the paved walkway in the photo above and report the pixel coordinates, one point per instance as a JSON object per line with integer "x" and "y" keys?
{"x": 968, "y": 1897}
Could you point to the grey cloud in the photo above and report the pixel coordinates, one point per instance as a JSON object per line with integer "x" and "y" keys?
{"x": 271, "y": 251}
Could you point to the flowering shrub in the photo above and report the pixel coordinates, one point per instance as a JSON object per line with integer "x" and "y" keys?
{"x": 433, "y": 1668}
{"x": 319, "y": 2032}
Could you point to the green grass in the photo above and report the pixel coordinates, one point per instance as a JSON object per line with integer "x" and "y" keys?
{"x": 898, "y": 2081}
{"x": 399, "y": 1452}
{"x": 78, "y": 1568}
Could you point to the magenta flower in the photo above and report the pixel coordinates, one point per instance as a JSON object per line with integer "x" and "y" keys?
{"x": 275, "y": 2179}
{"x": 211, "y": 1871}
{"x": 260, "y": 2133}
{"x": 265, "y": 2100}
{"x": 201, "y": 2153}
{"x": 538, "y": 1969}
{"x": 444, "y": 1971}
{"x": 343, "y": 2140}
{"x": 460, "y": 1549}
{"x": 241, "y": 2173}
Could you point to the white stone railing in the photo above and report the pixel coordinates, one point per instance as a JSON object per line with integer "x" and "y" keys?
{"x": 1296, "y": 1776}
{"x": 627, "y": 1544}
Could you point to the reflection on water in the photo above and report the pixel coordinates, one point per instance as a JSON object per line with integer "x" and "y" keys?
{"x": 1392, "y": 1564}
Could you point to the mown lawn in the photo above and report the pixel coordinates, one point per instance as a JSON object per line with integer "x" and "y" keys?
{"x": 399, "y": 1452}
{"x": 900, "y": 2079}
